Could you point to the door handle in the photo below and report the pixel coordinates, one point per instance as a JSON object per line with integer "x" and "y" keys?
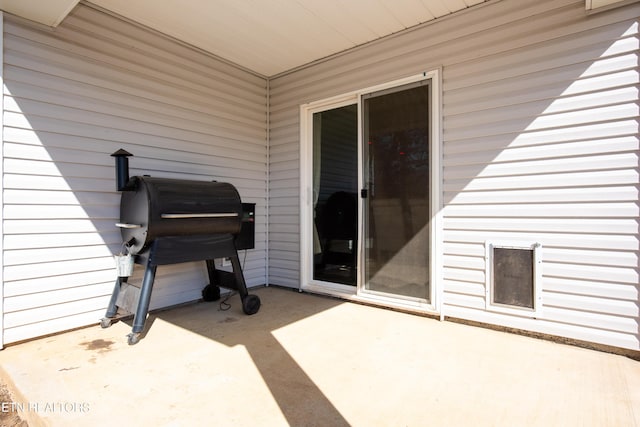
{"x": 364, "y": 193}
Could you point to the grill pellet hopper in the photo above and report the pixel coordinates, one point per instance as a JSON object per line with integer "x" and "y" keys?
{"x": 169, "y": 221}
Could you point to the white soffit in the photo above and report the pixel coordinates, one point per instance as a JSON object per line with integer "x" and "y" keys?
{"x": 47, "y": 12}
{"x": 273, "y": 36}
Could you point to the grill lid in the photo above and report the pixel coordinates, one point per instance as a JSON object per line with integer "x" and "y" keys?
{"x": 157, "y": 207}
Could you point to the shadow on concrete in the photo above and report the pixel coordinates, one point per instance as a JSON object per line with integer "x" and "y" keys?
{"x": 301, "y": 401}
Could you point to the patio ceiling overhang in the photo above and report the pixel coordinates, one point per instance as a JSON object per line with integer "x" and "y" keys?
{"x": 267, "y": 37}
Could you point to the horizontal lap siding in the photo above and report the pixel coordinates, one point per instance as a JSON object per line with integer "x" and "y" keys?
{"x": 540, "y": 144}
{"x": 73, "y": 96}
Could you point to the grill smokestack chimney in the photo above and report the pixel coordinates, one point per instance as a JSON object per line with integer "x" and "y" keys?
{"x": 122, "y": 170}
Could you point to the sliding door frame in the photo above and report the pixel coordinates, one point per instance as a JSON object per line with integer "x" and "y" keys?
{"x": 435, "y": 222}
{"x": 307, "y": 282}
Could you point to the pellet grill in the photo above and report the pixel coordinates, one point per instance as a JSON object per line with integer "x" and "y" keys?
{"x": 170, "y": 221}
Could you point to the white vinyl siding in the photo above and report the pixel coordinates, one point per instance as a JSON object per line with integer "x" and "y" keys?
{"x": 73, "y": 96}
{"x": 540, "y": 140}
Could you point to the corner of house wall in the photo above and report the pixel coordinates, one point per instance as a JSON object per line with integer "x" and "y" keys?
{"x": 268, "y": 179}
{"x": 1, "y": 181}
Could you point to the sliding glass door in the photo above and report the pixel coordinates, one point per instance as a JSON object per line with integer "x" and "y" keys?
{"x": 396, "y": 191}
{"x": 335, "y": 203}
{"x": 370, "y": 186}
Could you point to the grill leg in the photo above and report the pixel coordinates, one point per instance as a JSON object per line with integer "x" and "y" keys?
{"x": 145, "y": 296}
{"x": 250, "y": 303}
{"x": 112, "y": 308}
{"x": 211, "y": 292}
{"x": 237, "y": 271}
{"x": 211, "y": 270}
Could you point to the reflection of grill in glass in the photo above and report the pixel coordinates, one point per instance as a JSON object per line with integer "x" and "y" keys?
{"x": 168, "y": 221}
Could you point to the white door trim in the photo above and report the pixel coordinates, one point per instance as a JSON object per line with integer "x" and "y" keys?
{"x": 306, "y": 196}
{"x": 306, "y": 199}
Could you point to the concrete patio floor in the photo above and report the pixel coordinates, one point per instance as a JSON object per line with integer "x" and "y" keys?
{"x": 305, "y": 360}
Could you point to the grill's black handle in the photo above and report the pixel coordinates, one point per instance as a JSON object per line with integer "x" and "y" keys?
{"x": 198, "y": 215}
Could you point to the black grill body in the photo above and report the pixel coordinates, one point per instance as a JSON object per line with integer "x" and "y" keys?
{"x": 159, "y": 207}
{"x": 169, "y": 221}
